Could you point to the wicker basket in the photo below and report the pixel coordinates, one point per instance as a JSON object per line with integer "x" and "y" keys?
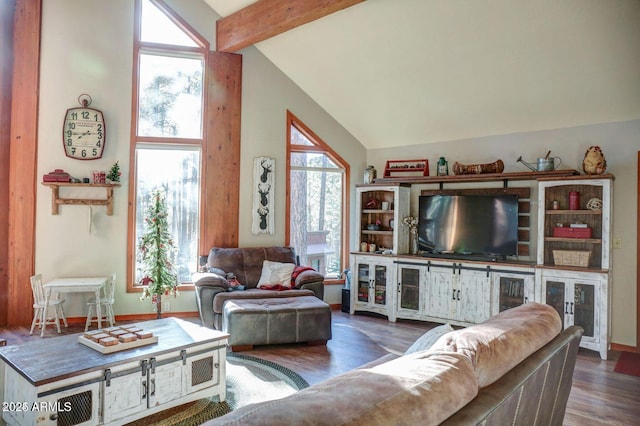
{"x": 571, "y": 257}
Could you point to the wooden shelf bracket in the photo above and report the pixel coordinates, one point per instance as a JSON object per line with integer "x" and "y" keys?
{"x": 56, "y": 200}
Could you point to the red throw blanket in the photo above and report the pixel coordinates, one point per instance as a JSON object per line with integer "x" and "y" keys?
{"x": 299, "y": 269}
{"x": 279, "y": 287}
{"x": 276, "y": 287}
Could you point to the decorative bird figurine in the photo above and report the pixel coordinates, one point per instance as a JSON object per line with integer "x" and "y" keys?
{"x": 594, "y": 162}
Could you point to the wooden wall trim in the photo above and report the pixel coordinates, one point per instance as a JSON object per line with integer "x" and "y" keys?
{"x": 7, "y": 10}
{"x": 638, "y": 258}
{"x": 23, "y": 159}
{"x": 267, "y": 18}
{"x": 221, "y": 157}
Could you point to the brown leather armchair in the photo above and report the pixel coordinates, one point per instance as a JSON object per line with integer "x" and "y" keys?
{"x": 212, "y": 289}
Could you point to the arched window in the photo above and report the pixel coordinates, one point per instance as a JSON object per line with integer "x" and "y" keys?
{"x": 317, "y": 201}
{"x": 167, "y": 135}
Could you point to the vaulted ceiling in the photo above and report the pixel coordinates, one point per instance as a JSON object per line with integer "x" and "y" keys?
{"x": 403, "y": 72}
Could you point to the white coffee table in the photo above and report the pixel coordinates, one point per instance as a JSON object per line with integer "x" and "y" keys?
{"x": 60, "y": 380}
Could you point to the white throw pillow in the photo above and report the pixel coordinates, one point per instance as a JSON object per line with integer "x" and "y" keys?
{"x": 276, "y": 273}
{"x": 427, "y": 340}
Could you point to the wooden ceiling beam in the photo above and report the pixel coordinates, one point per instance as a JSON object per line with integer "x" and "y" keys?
{"x": 267, "y": 18}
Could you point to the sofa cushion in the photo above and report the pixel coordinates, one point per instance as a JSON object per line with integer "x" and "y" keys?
{"x": 276, "y": 273}
{"x": 423, "y": 388}
{"x": 246, "y": 263}
{"x": 254, "y": 293}
{"x": 502, "y": 342}
{"x": 427, "y": 340}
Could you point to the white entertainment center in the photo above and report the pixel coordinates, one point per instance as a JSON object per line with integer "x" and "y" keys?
{"x": 570, "y": 269}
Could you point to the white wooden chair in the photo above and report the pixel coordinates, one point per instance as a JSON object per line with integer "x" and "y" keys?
{"x": 106, "y": 305}
{"x": 40, "y": 307}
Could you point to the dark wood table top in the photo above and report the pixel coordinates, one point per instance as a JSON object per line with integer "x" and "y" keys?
{"x": 53, "y": 359}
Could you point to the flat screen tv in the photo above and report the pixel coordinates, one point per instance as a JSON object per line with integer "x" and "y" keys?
{"x": 469, "y": 224}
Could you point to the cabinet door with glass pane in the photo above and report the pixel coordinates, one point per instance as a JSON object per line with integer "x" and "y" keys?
{"x": 373, "y": 290}
{"x": 580, "y": 301}
{"x": 511, "y": 288}
{"x": 411, "y": 298}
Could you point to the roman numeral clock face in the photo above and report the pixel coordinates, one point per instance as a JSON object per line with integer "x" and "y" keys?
{"x": 83, "y": 134}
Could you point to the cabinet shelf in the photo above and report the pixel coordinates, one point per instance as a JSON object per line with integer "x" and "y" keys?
{"x": 377, "y": 211}
{"x": 57, "y": 200}
{"x": 368, "y": 232}
{"x": 574, "y": 240}
{"x": 575, "y": 212}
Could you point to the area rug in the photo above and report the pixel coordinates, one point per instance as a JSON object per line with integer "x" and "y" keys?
{"x": 628, "y": 363}
{"x": 249, "y": 380}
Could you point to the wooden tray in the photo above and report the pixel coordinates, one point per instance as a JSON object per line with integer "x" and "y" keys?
{"x": 119, "y": 347}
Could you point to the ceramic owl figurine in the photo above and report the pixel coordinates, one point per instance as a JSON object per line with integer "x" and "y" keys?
{"x": 594, "y": 162}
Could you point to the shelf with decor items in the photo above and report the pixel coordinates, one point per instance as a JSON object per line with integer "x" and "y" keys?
{"x": 574, "y": 262}
{"x": 57, "y": 200}
{"x": 577, "y": 237}
{"x": 380, "y": 210}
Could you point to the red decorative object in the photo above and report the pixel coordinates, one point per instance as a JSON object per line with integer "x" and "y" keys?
{"x": 567, "y": 232}
{"x": 58, "y": 175}
{"x": 372, "y": 203}
{"x": 574, "y": 200}
{"x": 417, "y": 167}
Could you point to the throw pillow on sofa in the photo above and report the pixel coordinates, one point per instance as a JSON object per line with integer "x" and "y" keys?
{"x": 276, "y": 273}
{"x": 427, "y": 340}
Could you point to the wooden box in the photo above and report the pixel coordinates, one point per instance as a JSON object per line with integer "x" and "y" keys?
{"x": 567, "y": 232}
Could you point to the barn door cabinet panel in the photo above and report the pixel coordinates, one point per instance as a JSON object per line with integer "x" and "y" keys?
{"x": 458, "y": 293}
{"x": 373, "y": 289}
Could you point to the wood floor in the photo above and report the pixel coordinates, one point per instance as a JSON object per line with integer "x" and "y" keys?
{"x": 599, "y": 395}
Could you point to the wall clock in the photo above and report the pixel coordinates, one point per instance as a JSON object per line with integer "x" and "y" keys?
{"x": 83, "y": 134}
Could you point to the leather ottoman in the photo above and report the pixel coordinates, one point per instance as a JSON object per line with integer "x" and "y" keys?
{"x": 273, "y": 321}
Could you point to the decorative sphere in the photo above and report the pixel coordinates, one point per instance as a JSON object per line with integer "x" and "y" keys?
{"x": 594, "y": 204}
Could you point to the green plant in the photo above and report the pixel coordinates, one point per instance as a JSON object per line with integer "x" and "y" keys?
{"x": 155, "y": 250}
{"x": 114, "y": 173}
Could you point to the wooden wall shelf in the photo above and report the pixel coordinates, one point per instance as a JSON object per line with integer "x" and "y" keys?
{"x": 485, "y": 177}
{"x": 56, "y": 200}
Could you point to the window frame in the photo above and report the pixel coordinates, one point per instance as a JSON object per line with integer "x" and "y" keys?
{"x": 321, "y": 147}
{"x": 139, "y": 48}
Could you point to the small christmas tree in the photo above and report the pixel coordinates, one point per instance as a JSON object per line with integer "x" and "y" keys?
{"x": 155, "y": 249}
{"x": 114, "y": 173}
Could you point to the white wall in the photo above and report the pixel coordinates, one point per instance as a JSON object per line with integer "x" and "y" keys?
{"x": 620, "y": 144}
{"x": 96, "y": 59}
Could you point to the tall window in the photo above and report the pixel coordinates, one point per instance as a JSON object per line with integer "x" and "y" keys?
{"x": 167, "y": 130}
{"x": 317, "y": 201}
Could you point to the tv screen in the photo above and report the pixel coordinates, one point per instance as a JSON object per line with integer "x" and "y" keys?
{"x": 469, "y": 224}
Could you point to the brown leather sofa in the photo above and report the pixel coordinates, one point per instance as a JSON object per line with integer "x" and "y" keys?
{"x": 515, "y": 368}
{"x": 212, "y": 288}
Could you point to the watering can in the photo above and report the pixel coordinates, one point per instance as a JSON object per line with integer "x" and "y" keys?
{"x": 544, "y": 164}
